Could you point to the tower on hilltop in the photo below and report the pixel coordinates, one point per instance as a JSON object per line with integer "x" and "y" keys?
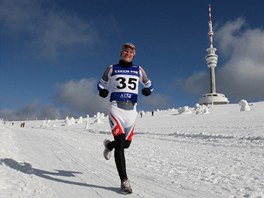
{"x": 211, "y": 60}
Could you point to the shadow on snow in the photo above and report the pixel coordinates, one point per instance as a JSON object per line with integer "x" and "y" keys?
{"x": 27, "y": 168}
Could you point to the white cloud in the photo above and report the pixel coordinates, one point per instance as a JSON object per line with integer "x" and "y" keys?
{"x": 32, "y": 111}
{"x": 241, "y": 75}
{"x": 45, "y": 28}
{"x": 155, "y": 101}
{"x": 60, "y": 30}
{"x": 18, "y": 15}
{"x": 81, "y": 96}
{"x": 72, "y": 98}
{"x": 196, "y": 84}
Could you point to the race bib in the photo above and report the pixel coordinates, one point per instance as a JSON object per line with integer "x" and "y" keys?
{"x": 124, "y": 83}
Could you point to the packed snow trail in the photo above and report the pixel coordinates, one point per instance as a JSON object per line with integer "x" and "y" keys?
{"x": 68, "y": 164}
{"x": 63, "y": 164}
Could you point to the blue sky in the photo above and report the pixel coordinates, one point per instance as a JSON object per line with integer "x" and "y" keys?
{"x": 53, "y": 52}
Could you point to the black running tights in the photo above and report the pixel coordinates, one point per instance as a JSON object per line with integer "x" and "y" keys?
{"x": 120, "y": 144}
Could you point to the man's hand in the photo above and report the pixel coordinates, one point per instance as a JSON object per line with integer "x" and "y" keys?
{"x": 103, "y": 93}
{"x": 146, "y": 91}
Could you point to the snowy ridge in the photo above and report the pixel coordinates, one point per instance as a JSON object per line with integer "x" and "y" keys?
{"x": 198, "y": 136}
{"x": 210, "y": 137}
{"x": 219, "y": 153}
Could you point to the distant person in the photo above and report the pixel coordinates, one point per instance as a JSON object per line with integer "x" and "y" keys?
{"x": 122, "y": 81}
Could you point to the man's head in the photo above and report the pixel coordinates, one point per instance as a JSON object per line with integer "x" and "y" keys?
{"x": 128, "y": 52}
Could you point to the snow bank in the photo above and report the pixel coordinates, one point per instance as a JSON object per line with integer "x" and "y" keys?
{"x": 198, "y": 110}
{"x": 244, "y": 106}
{"x": 185, "y": 110}
{"x": 201, "y": 109}
{"x": 72, "y": 120}
{"x": 99, "y": 118}
{"x": 1, "y": 123}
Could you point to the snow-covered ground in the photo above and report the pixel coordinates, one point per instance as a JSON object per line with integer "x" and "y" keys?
{"x": 215, "y": 152}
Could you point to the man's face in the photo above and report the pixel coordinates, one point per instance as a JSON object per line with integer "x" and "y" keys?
{"x": 127, "y": 55}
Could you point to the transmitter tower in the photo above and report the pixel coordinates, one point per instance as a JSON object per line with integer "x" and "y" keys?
{"x": 211, "y": 59}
